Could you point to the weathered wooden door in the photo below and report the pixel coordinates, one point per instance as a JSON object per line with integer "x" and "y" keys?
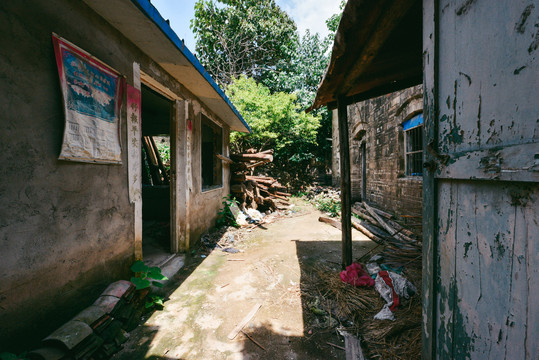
{"x": 481, "y": 77}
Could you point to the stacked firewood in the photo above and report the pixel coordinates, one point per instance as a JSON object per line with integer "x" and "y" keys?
{"x": 257, "y": 192}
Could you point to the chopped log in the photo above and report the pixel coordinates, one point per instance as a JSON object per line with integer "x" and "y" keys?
{"x": 238, "y": 166}
{"x": 248, "y": 157}
{"x": 358, "y": 226}
{"x": 278, "y": 196}
{"x": 331, "y": 221}
{"x": 263, "y": 187}
{"x": 283, "y": 193}
{"x": 270, "y": 204}
{"x": 238, "y": 178}
{"x": 224, "y": 158}
{"x": 262, "y": 181}
{"x": 237, "y": 188}
{"x": 262, "y": 162}
{"x": 256, "y": 177}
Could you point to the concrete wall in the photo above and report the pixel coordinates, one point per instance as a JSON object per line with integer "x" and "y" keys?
{"x": 66, "y": 228}
{"x": 204, "y": 205}
{"x": 377, "y": 124}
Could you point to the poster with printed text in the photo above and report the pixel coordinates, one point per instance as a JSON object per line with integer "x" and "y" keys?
{"x": 92, "y": 93}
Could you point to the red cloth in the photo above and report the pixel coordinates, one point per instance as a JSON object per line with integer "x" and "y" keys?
{"x": 384, "y": 274}
{"x": 356, "y": 276}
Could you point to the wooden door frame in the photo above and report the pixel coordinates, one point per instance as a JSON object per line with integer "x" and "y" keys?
{"x": 175, "y": 181}
{"x": 430, "y": 113}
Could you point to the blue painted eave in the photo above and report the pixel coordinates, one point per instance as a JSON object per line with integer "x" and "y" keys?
{"x": 151, "y": 12}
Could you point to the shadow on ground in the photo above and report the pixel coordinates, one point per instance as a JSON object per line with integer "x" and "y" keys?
{"x": 291, "y": 324}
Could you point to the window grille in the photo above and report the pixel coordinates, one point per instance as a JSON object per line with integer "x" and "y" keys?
{"x": 212, "y": 144}
{"x": 413, "y": 146}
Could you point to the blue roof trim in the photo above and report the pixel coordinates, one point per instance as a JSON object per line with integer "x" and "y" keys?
{"x": 413, "y": 122}
{"x": 151, "y": 12}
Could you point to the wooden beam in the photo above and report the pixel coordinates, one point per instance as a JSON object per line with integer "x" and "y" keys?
{"x": 159, "y": 161}
{"x": 388, "y": 21}
{"x": 346, "y": 190}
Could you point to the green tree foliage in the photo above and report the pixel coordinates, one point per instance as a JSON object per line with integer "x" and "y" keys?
{"x": 333, "y": 22}
{"x": 242, "y": 37}
{"x": 278, "y": 123}
{"x": 302, "y": 73}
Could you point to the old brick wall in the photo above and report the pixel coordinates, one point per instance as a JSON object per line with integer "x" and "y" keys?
{"x": 376, "y": 124}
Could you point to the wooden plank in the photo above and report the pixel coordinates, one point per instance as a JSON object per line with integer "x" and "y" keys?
{"x": 358, "y": 226}
{"x": 388, "y": 228}
{"x": 159, "y": 161}
{"x": 446, "y": 301}
{"x": 152, "y": 161}
{"x": 244, "y": 322}
{"x": 256, "y": 157}
{"x": 431, "y": 35}
{"x": 331, "y": 221}
{"x": 262, "y": 162}
{"x": 346, "y": 190}
{"x": 514, "y": 162}
{"x": 224, "y": 158}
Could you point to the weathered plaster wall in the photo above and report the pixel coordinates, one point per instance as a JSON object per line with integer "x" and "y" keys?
{"x": 377, "y": 123}
{"x": 204, "y": 205}
{"x": 66, "y": 228}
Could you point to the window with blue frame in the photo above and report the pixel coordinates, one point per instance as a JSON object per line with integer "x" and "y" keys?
{"x": 413, "y": 145}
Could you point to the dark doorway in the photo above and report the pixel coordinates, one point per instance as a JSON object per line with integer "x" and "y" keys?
{"x": 156, "y": 160}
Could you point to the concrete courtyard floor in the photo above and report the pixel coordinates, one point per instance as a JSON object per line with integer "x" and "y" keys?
{"x": 210, "y": 296}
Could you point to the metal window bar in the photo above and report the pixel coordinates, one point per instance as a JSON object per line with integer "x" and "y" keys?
{"x": 414, "y": 151}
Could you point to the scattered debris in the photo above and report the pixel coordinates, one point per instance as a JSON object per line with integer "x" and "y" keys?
{"x": 98, "y": 331}
{"x": 356, "y": 276}
{"x": 396, "y": 269}
{"x": 261, "y": 193}
{"x": 244, "y": 322}
{"x": 253, "y": 340}
{"x": 392, "y": 287}
{"x": 352, "y": 346}
{"x": 335, "y": 346}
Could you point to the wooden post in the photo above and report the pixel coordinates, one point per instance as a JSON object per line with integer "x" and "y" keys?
{"x": 346, "y": 208}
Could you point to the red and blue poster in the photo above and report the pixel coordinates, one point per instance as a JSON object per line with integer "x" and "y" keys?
{"x": 92, "y": 93}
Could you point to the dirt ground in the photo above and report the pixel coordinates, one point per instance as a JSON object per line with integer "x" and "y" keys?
{"x": 212, "y": 294}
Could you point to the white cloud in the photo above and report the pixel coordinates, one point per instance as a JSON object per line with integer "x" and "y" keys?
{"x": 310, "y": 14}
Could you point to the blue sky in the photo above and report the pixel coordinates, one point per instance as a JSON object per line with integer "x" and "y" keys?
{"x": 308, "y": 14}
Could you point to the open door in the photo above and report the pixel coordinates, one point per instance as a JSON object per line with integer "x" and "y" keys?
{"x": 156, "y": 160}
